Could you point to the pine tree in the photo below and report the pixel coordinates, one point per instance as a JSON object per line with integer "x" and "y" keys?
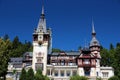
{"x": 5, "y": 47}
{"x": 38, "y": 75}
{"x": 23, "y": 74}
{"x": 30, "y": 74}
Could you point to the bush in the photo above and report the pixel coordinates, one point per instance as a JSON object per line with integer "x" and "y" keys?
{"x": 77, "y": 77}
{"x": 114, "y": 78}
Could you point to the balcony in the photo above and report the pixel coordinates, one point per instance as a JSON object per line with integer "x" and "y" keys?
{"x": 53, "y": 58}
{"x": 86, "y": 65}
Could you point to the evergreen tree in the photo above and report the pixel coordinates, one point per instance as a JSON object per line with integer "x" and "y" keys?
{"x": 5, "y": 47}
{"x": 104, "y": 57}
{"x": 30, "y": 74}
{"x": 56, "y": 50}
{"x": 111, "y": 46}
{"x": 16, "y": 42}
{"x": 116, "y": 64}
{"x": 38, "y": 75}
{"x": 6, "y": 37}
{"x": 23, "y": 74}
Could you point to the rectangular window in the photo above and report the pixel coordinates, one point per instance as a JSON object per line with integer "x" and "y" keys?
{"x": 48, "y": 71}
{"x": 56, "y": 73}
{"x": 39, "y": 66}
{"x": 97, "y": 73}
{"x": 62, "y": 73}
{"x": 105, "y": 74}
{"x": 68, "y": 73}
{"x": 74, "y": 72}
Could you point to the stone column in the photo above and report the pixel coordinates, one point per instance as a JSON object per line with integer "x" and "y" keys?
{"x": 71, "y": 73}
{"x": 65, "y": 73}
{"x": 53, "y": 74}
{"x": 50, "y": 72}
{"x": 58, "y": 72}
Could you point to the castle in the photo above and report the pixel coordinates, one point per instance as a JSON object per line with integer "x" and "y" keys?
{"x": 62, "y": 65}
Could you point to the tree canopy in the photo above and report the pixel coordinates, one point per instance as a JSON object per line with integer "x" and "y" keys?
{"x": 5, "y": 48}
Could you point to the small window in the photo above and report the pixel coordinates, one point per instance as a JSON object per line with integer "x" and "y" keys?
{"x": 62, "y": 73}
{"x": 56, "y": 73}
{"x": 74, "y": 73}
{"x": 68, "y": 73}
{"x": 48, "y": 72}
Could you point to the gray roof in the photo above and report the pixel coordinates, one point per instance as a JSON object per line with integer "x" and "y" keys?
{"x": 17, "y": 60}
{"x": 94, "y": 42}
{"x": 85, "y": 49}
{"x": 28, "y": 53}
{"x": 69, "y": 53}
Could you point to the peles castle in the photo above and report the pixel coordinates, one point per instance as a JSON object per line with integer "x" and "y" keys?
{"x": 60, "y": 65}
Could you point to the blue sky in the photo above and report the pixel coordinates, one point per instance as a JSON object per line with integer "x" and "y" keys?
{"x": 70, "y": 20}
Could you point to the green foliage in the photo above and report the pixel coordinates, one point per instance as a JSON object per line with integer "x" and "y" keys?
{"x": 9, "y": 49}
{"x": 30, "y": 74}
{"x": 23, "y": 74}
{"x": 56, "y": 50}
{"x": 116, "y": 63}
{"x": 111, "y": 58}
{"x": 114, "y": 78}
{"x": 14, "y": 71}
{"x": 98, "y": 78}
{"x": 18, "y": 48}
{"x": 77, "y": 77}
{"x": 111, "y": 46}
{"x": 39, "y": 76}
{"x": 5, "y": 48}
{"x": 105, "y": 57}
{"x": 6, "y": 37}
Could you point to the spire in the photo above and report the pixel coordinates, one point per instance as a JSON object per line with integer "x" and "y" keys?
{"x": 94, "y": 41}
{"x": 93, "y": 29}
{"x": 42, "y": 21}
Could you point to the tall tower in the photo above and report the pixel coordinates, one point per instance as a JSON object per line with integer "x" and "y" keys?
{"x": 41, "y": 44}
{"x": 95, "y": 50}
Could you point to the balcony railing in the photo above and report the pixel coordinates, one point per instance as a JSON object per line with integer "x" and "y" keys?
{"x": 86, "y": 65}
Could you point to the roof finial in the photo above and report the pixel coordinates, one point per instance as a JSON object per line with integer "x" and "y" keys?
{"x": 42, "y": 6}
{"x": 93, "y": 29}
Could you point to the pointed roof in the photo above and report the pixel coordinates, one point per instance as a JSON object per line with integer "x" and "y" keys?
{"x": 94, "y": 41}
{"x": 42, "y": 22}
